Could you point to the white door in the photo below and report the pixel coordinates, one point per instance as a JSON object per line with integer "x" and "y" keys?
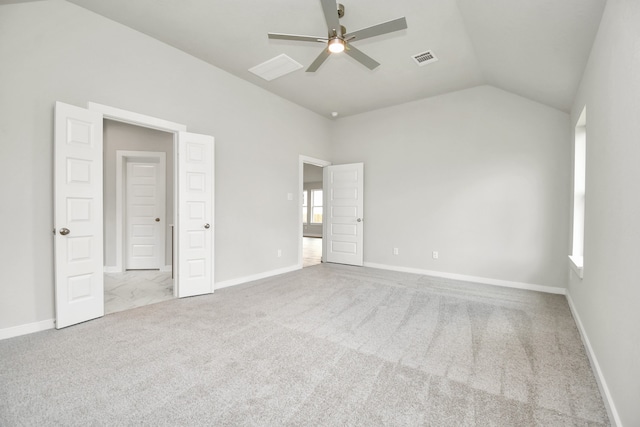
{"x": 343, "y": 228}
{"x": 195, "y": 214}
{"x": 145, "y": 207}
{"x": 79, "y": 282}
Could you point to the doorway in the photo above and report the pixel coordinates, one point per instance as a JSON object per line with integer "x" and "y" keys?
{"x": 312, "y": 211}
{"x": 138, "y": 215}
{"x": 79, "y": 215}
{"x": 342, "y": 212}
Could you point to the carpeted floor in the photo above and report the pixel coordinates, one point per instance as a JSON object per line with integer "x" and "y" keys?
{"x": 326, "y": 345}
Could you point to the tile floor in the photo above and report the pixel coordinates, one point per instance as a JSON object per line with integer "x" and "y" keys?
{"x": 135, "y": 288}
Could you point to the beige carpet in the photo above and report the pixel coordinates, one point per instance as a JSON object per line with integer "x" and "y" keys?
{"x": 327, "y": 345}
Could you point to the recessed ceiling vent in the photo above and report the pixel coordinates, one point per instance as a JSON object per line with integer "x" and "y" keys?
{"x": 276, "y": 67}
{"x": 424, "y": 58}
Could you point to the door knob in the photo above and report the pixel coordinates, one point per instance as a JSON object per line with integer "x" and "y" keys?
{"x": 157, "y": 219}
{"x": 207, "y": 226}
{"x": 64, "y": 231}
{"x": 359, "y": 219}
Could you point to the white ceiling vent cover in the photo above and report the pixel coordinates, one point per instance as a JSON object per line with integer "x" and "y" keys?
{"x": 424, "y": 58}
{"x": 275, "y": 67}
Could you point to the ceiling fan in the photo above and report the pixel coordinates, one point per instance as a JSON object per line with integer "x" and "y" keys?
{"x": 338, "y": 40}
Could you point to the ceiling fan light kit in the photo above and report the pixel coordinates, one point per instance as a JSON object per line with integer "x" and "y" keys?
{"x": 336, "y": 45}
{"x": 338, "y": 40}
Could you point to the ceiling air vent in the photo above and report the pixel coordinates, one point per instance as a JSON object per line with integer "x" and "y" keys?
{"x": 424, "y": 58}
{"x": 276, "y": 67}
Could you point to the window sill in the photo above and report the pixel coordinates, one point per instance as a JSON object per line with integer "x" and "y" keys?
{"x": 576, "y": 263}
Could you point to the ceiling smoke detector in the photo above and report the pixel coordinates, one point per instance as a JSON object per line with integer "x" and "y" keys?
{"x": 424, "y": 58}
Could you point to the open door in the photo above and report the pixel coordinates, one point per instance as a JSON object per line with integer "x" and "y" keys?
{"x": 343, "y": 187}
{"x": 195, "y": 214}
{"x": 79, "y": 280}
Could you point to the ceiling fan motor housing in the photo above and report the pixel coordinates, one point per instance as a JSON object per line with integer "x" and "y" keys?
{"x": 334, "y": 33}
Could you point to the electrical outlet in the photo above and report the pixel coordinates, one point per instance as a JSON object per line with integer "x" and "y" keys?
{"x": 279, "y": 253}
{"x": 289, "y": 196}
{"x": 435, "y": 254}
{"x": 395, "y": 251}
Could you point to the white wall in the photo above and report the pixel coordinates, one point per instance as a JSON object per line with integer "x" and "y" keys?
{"x": 481, "y": 176}
{"x": 55, "y": 51}
{"x": 607, "y": 300}
{"x": 122, "y": 136}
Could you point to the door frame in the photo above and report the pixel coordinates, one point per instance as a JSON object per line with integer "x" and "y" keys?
{"x": 136, "y": 119}
{"x": 301, "y": 162}
{"x": 122, "y": 158}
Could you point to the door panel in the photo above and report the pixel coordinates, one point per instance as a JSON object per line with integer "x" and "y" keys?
{"x": 79, "y": 287}
{"x": 195, "y": 214}
{"x": 145, "y": 248}
{"x": 344, "y": 185}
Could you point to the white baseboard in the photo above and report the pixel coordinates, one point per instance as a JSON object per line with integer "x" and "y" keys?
{"x": 475, "y": 279}
{"x": 614, "y": 418}
{"x": 114, "y": 269}
{"x": 245, "y": 279}
{"x": 28, "y": 328}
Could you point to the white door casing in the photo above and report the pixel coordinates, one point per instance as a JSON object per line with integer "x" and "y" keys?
{"x": 145, "y": 212}
{"x": 78, "y": 240}
{"x": 195, "y": 213}
{"x": 344, "y": 216}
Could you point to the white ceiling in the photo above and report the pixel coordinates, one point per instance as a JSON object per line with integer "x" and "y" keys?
{"x": 533, "y": 48}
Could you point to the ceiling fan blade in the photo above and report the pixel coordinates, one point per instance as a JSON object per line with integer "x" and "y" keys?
{"x": 361, "y": 57}
{"x": 377, "y": 30}
{"x": 319, "y": 60}
{"x": 330, "y": 9}
{"x": 296, "y": 37}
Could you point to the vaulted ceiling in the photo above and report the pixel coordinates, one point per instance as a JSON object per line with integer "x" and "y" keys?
{"x": 533, "y": 48}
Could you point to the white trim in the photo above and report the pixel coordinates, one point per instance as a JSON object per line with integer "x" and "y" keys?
{"x": 166, "y": 268}
{"x": 25, "y": 329}
{"x": 576, "y": 263}
{"x": 602, "y": 383}
{"x": 137, "y": 119}
{"x": 245, "y": 279}
{"x": 123, "y": 156}
{"x": 474, "y": 279}
{"x": 301, "y": 161}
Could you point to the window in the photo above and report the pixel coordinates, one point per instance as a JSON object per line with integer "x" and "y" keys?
{"x": 579, "y": 192}
{"x": 305, "y": 210}
{"x": 316, "y": 206}
{"x": 312, "y": 207}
